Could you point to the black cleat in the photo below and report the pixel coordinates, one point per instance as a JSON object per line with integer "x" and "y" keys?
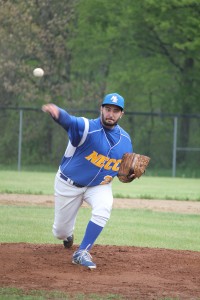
{"x": 69, "y": 241}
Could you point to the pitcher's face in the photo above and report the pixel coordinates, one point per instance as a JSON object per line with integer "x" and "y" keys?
{"x": 110, "y": 115}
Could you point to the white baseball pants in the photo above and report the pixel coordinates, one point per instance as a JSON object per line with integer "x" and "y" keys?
{"x": 68, "y": 199}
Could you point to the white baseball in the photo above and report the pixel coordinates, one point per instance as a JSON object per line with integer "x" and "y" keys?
{"x": 38, "y": 72}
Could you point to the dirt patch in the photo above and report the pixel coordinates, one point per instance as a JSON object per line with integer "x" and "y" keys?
{"x": 190, "y": 207}
{"x": 135, "y": 273}
{"x": 132, "y": 272}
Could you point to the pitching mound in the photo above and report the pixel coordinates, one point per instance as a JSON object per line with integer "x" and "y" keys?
{"x": 135, "y": 273}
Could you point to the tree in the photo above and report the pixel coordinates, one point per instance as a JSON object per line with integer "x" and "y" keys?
{"x": 171, "y": 29}
{"x": 34, "y": 34}
{"x": 148, "y": 50}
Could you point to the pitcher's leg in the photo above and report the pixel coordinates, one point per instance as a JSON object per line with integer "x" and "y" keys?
{"x": 68, "y": 199}
{"x": 100, "y": 198}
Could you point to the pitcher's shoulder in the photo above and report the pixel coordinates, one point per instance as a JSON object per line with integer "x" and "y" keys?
{"x": 95, "y": 124}
{"x": 124, "y": 133}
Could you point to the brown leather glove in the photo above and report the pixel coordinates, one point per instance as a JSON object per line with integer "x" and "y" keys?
{"x": 132, "y": 166}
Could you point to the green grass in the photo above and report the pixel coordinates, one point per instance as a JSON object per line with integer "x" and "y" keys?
{"x": 41, "y": 183}
{"x": 126, "y": 227}
{"x": 26, "y": 182}
{"x": 18, "y": 294}
{"x": 159, "y": 188}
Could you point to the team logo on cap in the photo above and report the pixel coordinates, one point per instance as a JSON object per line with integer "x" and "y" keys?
{"x": 114, "y": 99}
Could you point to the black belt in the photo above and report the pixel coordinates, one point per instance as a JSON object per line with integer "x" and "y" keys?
{"x": 70, "y": 181}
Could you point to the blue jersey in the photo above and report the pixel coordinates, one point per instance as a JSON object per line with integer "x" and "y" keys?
{"x": 93, "y": 153}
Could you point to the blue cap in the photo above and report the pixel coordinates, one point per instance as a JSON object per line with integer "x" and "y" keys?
{"x": 114, "y": 99}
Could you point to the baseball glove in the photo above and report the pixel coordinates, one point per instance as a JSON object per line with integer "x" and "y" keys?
{"x": 132, "y": 166}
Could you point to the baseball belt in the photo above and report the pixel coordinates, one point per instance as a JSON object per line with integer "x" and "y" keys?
{"x": 71, "y": 181}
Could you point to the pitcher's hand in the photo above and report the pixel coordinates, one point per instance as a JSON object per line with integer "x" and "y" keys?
{"x": 51, "y": 109}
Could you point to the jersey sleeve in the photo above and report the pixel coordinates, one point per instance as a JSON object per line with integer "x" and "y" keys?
{"x": 64, "y": 119}
{"x": 73, "y": 125}
{"x": 76, "y": 130}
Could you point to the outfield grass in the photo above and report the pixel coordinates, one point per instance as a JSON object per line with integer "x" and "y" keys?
{"x": 143, "y": 188}
{"x": 19, "y": 294}
{"x": 126, "y": 227}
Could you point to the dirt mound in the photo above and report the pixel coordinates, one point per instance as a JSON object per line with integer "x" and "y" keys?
{"x": 135, "y": 273}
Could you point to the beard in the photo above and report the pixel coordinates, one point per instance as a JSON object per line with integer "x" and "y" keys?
{"x": 108, "y": 122}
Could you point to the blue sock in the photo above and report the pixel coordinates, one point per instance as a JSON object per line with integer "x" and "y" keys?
{"x": 91, "y": 234}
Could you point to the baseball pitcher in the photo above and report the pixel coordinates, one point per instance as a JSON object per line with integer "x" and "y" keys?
{"x": 88, "y": 166}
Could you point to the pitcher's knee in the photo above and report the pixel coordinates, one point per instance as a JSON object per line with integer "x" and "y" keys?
{"x": 100, "y": 220}
{"x": 100, "y": 215}
{"x": 60, "y": 233}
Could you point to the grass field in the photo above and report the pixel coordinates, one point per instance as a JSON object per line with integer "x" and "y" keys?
{"x": 19, "y": 294}
{"x": 132, "y": 227}
{"x": 143, "y": 188}
{"x": 140, "y": 227}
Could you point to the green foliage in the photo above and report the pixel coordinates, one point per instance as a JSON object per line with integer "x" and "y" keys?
{"x": 42, "y": 42}
{"x": 148, "y": 52}
{"x": 145, "y": 50}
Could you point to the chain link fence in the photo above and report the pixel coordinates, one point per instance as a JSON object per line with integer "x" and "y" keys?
{"x": 30, "y": 138}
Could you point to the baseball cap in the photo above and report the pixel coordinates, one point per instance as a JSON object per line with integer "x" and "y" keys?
{"x": 114, "y": 99}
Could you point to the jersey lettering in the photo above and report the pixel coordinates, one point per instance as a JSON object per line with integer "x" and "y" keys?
{"x": 102, "y": 161}
{"x": 107, "y": 179}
